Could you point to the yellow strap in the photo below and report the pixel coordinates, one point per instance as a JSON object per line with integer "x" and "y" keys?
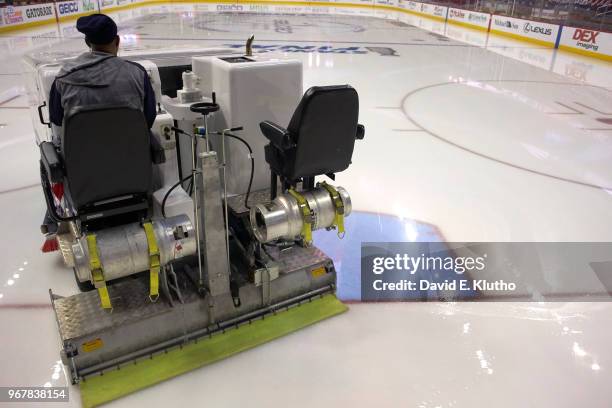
{"x": 154, "y": 261}
{"x": 306, "y": 216}
{"x": 339, "y": 205}
{"x": 97, "y": 273}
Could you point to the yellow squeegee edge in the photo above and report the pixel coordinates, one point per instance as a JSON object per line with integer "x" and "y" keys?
{"x": 100, "y": 389}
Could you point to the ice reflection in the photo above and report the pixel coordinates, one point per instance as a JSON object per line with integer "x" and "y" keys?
{"x": 368, "y": 227}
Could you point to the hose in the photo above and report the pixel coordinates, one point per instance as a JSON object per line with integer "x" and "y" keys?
{"x": 248, "y": 193}
{"x": 163, "y": 205}
{"x": 248, "y": 146}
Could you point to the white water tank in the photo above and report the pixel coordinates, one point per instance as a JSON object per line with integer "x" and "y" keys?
{"x": 249, "y": 90}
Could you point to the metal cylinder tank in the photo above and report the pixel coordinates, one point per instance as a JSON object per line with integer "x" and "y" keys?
{"x": 124, "y": 250}
{"x": 282, "y": 219}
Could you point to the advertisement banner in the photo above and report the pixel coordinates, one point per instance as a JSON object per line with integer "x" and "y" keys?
{"x": 410, "y": 5}
{"x": 516, "y": 27}
{"x": 470, "y": 18}
{"x": 15, "y": 15}
{"x": 75, "y": 7}
{"x": 106, "y": 4}
{"x": 587, "y": 41}
{"x": 434, "y": 10}
{"x": 392, "y": 3}
{"x": 68, "y": 8}
{"x": 88, "y": 6}
{"x": 12, "y": 15}
{"x": 39, "y": 12}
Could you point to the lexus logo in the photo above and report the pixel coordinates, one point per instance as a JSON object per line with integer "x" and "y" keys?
{"x": 530, "y": 28}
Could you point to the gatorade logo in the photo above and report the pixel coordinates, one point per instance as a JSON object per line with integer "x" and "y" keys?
{"x": 39, "y": 12}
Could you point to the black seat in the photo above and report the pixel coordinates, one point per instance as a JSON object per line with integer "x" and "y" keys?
{"x": 319, "y": 139}
{"x": 105, "y": 161}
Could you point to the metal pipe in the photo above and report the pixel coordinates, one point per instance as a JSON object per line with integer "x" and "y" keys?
{"x": 249, "y": 46}
{"x": 225, "y": 197}
{"x": 196, "y": 210}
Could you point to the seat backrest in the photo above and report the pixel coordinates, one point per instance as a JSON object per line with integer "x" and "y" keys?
{"x": 106, "y": 151}
{"x": 323, "y": 127}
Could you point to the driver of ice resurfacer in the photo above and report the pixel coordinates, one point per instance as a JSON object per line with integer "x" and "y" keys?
{"x": 97, "y": 77}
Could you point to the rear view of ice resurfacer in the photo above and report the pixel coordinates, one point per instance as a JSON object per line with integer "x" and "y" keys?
{"x": 199, "y": 245}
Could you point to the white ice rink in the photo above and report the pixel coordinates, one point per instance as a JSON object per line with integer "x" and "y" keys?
{"x": 468, "y": 138}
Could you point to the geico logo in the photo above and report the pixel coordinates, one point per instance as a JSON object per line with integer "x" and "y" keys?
{"x": 528, "y": 27}
{"x": 39, "y": 12}
{"x": 585, "y": 35}
{"x": 66, "y": 8}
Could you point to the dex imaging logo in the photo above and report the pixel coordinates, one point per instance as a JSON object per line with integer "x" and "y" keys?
{"x": 586, "y": 39}
{"x": 530, "y": 28}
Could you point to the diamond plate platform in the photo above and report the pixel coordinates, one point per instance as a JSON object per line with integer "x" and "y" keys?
{"x": 82, "y": 315}
{"x": 236, "y": 203}
{"x": 297, "y": 258}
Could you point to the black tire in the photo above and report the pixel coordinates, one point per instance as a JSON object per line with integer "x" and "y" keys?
{"x": 83, "y": 286}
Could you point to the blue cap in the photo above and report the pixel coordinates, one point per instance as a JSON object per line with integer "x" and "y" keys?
{"x": 99, "y": 29}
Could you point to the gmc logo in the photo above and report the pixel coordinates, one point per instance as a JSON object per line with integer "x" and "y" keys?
{"x": 585, "y": 35}
{"x": 68, "y": 8}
